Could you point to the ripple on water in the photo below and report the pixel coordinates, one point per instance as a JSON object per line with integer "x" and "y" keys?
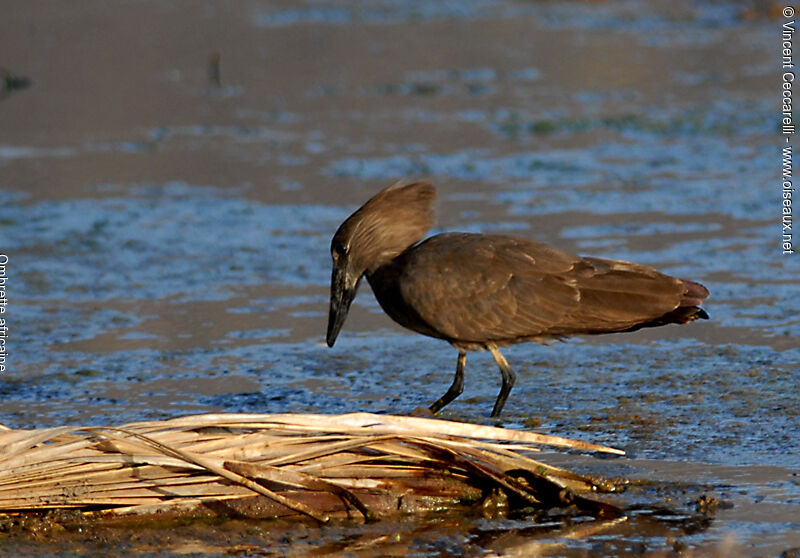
{"x": 170, "y": 241}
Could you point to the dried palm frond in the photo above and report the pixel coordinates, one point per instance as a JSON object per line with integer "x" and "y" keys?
{"x": 273, "y": 465}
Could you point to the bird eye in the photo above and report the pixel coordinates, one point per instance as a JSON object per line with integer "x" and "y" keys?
{"x": 339, "y": 249}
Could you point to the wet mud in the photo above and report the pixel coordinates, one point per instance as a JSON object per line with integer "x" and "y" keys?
{"x": 172, "y": 174}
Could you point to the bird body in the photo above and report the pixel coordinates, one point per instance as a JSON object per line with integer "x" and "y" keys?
{"x": 471, "y": 289}
{"x": 480, "y": 292}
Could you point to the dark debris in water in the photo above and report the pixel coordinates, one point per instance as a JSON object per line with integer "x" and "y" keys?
{"x": 10, "y": 82}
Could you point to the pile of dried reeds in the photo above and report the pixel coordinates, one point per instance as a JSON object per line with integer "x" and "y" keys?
{"x": 273, "y": 465}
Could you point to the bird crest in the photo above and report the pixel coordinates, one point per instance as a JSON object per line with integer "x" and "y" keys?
{"x": 388, "y": 223}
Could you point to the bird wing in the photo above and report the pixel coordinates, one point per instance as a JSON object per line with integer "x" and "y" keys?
{"x": 482, "y": 288}
{"x": 617, "y": 295}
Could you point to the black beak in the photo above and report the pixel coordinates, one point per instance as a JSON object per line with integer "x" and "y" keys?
{"x": 342, "y": 296}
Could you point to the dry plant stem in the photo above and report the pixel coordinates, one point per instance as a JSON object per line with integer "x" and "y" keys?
{"x": 221, "y": 471}
{"x": 313, "y": 465}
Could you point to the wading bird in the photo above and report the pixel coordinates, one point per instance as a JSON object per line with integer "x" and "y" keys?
{"x": 481, "y": 291}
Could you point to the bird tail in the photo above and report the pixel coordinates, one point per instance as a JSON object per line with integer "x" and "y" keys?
{"x": 688, "y": 310}
{"x": 694, "y": 295}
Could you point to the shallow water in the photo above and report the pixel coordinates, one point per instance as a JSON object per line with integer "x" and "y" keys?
{"x": 168, "y": 235}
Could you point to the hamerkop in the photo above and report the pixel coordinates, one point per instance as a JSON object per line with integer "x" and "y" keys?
{"x": 481, "y": 291}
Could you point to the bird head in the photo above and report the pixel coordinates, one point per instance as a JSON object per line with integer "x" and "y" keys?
{"x": 379, "y": 231}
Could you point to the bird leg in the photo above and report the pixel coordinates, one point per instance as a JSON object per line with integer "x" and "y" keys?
{"x": 508, "y": 380}
{"x": 457, "y": 386}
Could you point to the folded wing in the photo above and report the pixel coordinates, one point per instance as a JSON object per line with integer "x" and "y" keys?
{"x": 486, "y": 288}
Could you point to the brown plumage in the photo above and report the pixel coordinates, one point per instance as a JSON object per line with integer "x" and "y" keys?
{"x": 480, "y": 292}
